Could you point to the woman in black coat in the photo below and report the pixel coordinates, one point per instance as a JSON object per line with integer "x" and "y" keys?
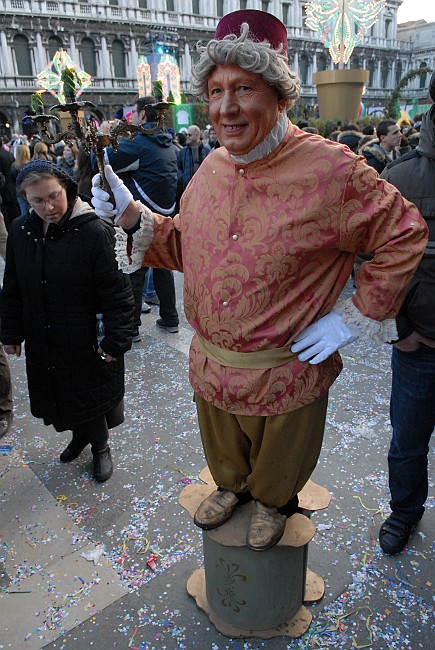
{"x": 60, "y": 272}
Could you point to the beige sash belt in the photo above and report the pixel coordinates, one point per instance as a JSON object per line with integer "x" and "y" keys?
{"x": 255, "y": 360}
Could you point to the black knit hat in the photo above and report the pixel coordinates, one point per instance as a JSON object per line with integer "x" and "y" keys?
{"x": 47, "y": 167}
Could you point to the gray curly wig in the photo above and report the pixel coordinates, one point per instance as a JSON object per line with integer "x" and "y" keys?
{"x": 249, "y": 55}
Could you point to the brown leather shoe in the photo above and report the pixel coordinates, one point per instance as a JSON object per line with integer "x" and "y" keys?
{"x": 216, "y": 509}
{"x": 266, "y": 528}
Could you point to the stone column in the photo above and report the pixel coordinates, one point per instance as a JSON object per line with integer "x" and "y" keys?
{"x": 7, "y": 66}
{"x": 72, "y": 48}
{"x": 133, "y": 57}
{"x": 296, "y": 62}
{"x": 105, "y": 60}
{"x": 40, "y": 53}
{"x": 378, "y": 77}
{"x": 187, "y": 62}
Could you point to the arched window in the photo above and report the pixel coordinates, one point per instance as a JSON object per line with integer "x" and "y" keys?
{"x": 54, "y": 44}
{"x": 220, "y": 8}
{"x": 321, "y": 62}
{"x": 423, "y": 76}
{"x": 195, "y": 7}
{"x": 89, "y": 57}
{"x": 22, "y": 56}
{"x": 303, "y": 68}
{"x": 118, "y": 56}
{"x": 384, "y": 73}
{"x": 399, "y": 70}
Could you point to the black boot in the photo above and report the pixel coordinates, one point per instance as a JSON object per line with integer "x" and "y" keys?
{"x": 103, "y": 466}
{"x": 72, "y": 452}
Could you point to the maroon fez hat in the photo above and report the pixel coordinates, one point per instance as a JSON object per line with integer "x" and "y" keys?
{"x": 262, "y": 27}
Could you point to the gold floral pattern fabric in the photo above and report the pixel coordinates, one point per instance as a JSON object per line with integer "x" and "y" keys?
{"x": 268, "y": 247}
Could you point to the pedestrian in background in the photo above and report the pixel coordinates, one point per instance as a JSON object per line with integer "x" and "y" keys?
{"x": 412, "y": 404}
{"x": 148, "y": 166}
{"x": 60, "y": 272}
{"x": 8, "y": 194}
{"x": 378, "y": 153}
{"x": 189, "y": 159}
{"x": 22, "y": 157}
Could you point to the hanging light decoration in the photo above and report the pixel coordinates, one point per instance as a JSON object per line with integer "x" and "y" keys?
{"x": 168, "y": 73}
{"x": 163, "y": 68}
{"x": 342, "y": 24}
{"x": 52, "y": 77}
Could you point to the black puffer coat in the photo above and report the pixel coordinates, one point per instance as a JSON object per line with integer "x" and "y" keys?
{"x": 52, "y": 291}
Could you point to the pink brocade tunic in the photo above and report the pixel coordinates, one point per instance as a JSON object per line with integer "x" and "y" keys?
{"x": 266, "y": 249}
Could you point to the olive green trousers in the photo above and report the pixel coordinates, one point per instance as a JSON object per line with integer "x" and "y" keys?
{"x": 271, "y": 457}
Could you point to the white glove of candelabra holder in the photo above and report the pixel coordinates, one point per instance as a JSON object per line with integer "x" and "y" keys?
{"x": 324, "y": 337}
{"x": 101, "y": 199}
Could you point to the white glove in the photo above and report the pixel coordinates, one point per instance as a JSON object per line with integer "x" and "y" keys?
{"x": 321, "y": 339}
{"x": 100, "y": 199}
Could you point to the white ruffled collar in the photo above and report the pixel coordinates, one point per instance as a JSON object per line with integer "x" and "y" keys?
{"x": 269, "y": 144}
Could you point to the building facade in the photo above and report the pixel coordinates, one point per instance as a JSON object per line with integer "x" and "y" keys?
{"x": 105, "y": 38}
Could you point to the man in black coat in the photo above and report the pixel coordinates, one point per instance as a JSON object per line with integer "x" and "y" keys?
{"x": 413, "y": 361}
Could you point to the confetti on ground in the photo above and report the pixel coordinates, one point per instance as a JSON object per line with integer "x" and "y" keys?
{"x": 140, "y": 531}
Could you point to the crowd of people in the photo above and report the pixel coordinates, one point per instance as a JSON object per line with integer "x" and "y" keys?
{"x": 380, "y": 142}
{"x": 264, "y": 267}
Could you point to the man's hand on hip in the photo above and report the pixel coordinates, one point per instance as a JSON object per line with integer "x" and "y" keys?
{"x": 321, "y": 339}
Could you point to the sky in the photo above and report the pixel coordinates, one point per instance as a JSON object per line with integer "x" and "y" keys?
{"x": 416, "y": 10}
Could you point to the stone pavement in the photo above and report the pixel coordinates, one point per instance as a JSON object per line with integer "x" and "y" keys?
{"x": 87, "y": 565}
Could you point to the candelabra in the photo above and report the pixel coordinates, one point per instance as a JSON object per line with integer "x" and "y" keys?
{"x": 88, "y": 134}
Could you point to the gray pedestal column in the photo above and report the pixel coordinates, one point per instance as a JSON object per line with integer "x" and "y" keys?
{"x": 248, "y": 593}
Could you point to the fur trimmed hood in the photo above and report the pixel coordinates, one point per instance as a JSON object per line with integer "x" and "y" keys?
{"x": 350, "y": 138}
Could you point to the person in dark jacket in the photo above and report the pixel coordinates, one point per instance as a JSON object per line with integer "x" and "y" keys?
{"x": 189, "y": 158}
{"x": 412, "y": 404}
{"x": 351, "y": 136}
{"x": 60, "y": 272}
{"x": 148, "y": 166}
{"x": 68, "y": 160}
{"x": 379, "y": 153}
{"x": 9, "y": 204}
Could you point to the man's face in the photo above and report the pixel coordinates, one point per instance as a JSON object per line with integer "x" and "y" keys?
{"x": 212, "y": 137}
{"x": 243, "y": 108}
{"x": 137, "y": 117}
{"x": 392, "y": 139}
{"x": 193, "y": 137}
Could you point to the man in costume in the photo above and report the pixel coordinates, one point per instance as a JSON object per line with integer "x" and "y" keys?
{"x": 266, "y": 237}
